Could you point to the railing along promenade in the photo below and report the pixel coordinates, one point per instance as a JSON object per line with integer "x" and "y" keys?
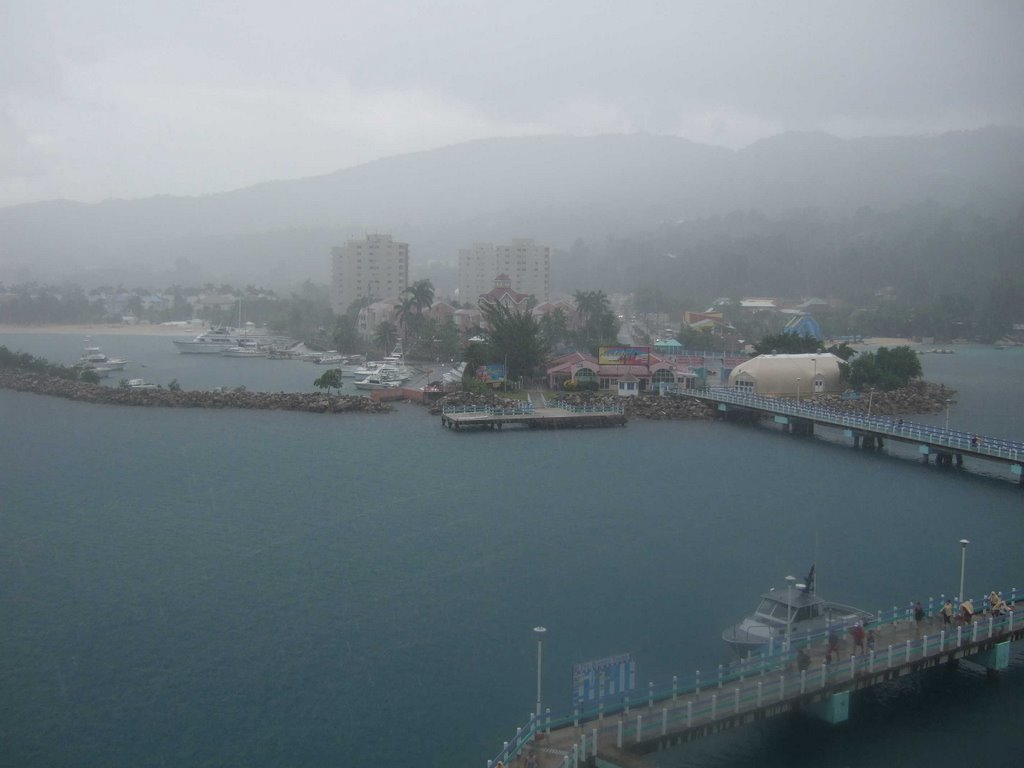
{"x": 942, "y": 439}
{"x": 759, "y": 686}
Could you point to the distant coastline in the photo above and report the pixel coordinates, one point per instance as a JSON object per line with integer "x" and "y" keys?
{"x": 105, "y": 329}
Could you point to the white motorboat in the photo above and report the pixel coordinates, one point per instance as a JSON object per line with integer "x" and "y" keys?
{"x": 212, "y": 342}
{"x": 792, "y": 614}
{"x": 93, "y": 359}
{"x": 245, "y": 348}
{"x": 140, "y": 384}
{"x": 385, "y": 378}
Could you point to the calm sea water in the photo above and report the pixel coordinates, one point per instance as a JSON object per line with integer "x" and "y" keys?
{"x": 263, "y": 589}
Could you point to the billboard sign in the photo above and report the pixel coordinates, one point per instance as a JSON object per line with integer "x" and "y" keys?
{"x": 624, "y": 355}
{"x": 491, "y": 373}
{"x": 604, "y": 679}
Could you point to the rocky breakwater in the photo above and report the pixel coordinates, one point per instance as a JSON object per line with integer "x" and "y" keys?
{"x": 917, "y": 397}
{"x": 166, "y": 398}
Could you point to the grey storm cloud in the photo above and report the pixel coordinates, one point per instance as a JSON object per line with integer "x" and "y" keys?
{"x": 105, "y": 99}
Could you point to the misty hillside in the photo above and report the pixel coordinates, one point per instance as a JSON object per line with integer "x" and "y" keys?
{"x": 555, "y": 189}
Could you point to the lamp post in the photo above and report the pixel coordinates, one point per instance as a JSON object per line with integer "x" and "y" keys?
{"x": 539, "y": 632}
{"x": 948, "y": 401}
{"x": 789, "y": 602}
{"x": 963, "y": 558}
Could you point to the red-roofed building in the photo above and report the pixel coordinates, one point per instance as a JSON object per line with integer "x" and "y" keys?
{"x": 619, "y": 379}
{"x": 503, "y": 294}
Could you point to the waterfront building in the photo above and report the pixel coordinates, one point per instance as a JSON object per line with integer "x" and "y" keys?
{"x": 788, "y": 375}
{"x": 526, "y": 264}
{"x": 374, "y": 268}
{"x": 649, "y": 373}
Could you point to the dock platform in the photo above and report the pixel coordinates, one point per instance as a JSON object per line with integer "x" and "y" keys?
{"x": 553, "y": 416}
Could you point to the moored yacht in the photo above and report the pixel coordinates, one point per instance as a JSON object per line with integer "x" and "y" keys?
{"x": 793, "y": 613}
{"x": 212, "y": 342}
{"x": 93, "y": 359}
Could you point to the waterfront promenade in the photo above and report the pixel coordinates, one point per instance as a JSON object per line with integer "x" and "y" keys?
{"x": 750, "y": 690}
{"x": 946, "y": 446}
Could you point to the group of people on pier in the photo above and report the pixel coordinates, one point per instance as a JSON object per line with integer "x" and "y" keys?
{"x": 996, "y": 606}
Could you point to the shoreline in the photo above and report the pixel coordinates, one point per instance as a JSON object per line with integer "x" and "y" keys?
{"x": 104, "y": 329}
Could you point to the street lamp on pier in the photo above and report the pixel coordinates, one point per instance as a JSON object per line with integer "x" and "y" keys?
{"x": 948, "y": 401}
{"x": 963, "y": 559}
{"x": 539, "y": 632}
{"x": 789, "y": 603}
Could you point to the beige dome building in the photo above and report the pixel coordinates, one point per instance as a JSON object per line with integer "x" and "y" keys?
{"x": 788, "y": 375}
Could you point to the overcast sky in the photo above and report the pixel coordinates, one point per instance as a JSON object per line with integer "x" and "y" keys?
{"x": 118, "y": 98}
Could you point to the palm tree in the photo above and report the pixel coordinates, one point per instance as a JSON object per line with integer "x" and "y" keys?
{"x": 385, "y": 335}
{"x": 422, "y": 294}
{"x": 404, "y": 312}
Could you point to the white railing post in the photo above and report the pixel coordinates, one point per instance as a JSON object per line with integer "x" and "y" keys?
{"x": 990, "y": 618}
{"x": 675, "y": 685}
{"x": 871, "y": 661}
{"x": 803, "y": 681}
{"x": 736, "y": 700}
{"x": 664, "y": 721}
{"x": 650, "y": 695}
{"x": 824, "y": 674}
{"x": 907, "y": 659}
{"x": 714, "y": 705}
{"x": 759, "y": 691}
{"x": 853, "y": 666}
{"x": 888, "y": 660}
{"x": 593, "y": 742}
{"x": 618, "y": 736}
{"x": 974, "y": 631}
{"x": 924, "y": 646}
{"x": 639, "y": 727}
{"x": 959, "y": 635}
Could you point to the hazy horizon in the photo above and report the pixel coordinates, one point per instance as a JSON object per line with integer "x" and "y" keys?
{"x": 105, "y": 102}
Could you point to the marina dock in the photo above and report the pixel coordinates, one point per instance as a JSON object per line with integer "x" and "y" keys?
{"x": 553, "y": 415}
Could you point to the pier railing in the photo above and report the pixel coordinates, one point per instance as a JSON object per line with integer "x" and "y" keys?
{"x": 954, "y": 439}
{"x": 523, "y": 408}
{"x": 589, "y": 408}
{"x": 757, "y": 680}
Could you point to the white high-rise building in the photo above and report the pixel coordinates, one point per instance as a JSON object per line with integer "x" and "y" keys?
{"x": 527, "y": 265}
{"x": 374, "y": 268}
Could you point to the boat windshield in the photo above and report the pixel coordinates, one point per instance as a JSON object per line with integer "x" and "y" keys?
{"x": 773, "y": 608}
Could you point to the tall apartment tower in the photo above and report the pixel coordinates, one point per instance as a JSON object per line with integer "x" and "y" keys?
{"x": 374, "y": 268}
{"x": 527, "y": 265}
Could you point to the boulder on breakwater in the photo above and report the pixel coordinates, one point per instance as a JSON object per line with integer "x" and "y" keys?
{"x": 165, "y": 398}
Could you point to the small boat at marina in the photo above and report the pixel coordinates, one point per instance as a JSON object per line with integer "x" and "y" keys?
{"x": 212, "y": 342}
{"x": 792, "y": 613}
{"x": 385, "y": 378}
{"x": 93, "y": 359}
{"x": 140, "y": 384}
{"x": 245, "y": 348}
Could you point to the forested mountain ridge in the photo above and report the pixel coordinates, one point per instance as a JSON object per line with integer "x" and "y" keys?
{"x": 556, "y": 189}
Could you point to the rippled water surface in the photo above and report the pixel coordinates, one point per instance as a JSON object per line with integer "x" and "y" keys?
{"x": 265, "y": 589}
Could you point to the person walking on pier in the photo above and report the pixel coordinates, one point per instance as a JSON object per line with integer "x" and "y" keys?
{"x": 858, "y": 636}
{"x": 996, "y": 604}
{"x": 966, "y": 611}
{"x": 947, "y": 612}
{"x": 918, "y": 617}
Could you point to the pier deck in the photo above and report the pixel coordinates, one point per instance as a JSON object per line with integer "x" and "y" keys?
{"x": 757, "y": 689}
{"x": 544, "y": 417}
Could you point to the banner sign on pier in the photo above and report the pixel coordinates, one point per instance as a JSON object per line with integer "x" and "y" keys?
{"x": 602, "y": 679}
